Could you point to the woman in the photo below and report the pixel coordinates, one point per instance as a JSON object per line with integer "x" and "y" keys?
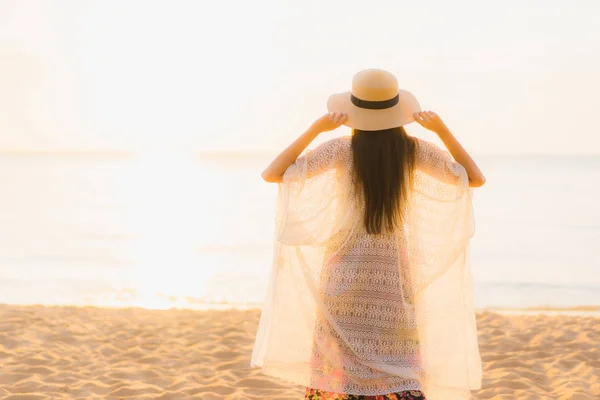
{"x": 370, "y": 295}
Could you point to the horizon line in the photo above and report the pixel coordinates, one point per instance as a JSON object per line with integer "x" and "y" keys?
{"x": 217, "y": 152}
{"x": 234, "y": 152}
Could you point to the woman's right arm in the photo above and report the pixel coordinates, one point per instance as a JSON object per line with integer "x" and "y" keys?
{"x": 434, "y": 123}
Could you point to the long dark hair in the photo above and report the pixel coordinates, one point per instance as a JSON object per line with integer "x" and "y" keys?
{"x": 383, "y": 161}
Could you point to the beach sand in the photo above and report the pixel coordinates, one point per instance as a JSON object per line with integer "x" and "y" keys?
{"x": 95, "y": 353}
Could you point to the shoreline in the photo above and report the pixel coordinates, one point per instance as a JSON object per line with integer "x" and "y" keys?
{"x": 583, "y": 310}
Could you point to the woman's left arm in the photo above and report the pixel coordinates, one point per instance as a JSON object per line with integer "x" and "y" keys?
{"x": 328, "y": 122}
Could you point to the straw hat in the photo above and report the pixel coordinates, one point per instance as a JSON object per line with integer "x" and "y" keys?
{"x": 375, "y": 102}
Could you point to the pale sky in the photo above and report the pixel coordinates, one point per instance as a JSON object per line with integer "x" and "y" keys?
{"x": 508, "y": 77}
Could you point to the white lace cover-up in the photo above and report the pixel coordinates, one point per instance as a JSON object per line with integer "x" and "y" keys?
{"x": 354, "y": 313}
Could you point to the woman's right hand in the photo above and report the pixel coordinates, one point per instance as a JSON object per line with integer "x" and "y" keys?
{"x": 430, "y": 120}
{"x": 329, "y": 122}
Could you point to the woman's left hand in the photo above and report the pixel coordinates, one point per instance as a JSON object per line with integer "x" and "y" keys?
{"x": 430, "y": 120}
{"x": 329, "y": 122}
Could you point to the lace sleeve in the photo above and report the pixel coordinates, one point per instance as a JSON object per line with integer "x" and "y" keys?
{"x": 325, "y": 157}
{"x": 438, "y": 164}
{"x": 311, "y": 192}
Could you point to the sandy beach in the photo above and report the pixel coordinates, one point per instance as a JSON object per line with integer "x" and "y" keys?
{"x": 95, "y": 353}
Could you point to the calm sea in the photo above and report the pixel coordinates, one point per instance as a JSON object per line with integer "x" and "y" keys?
{"x": 175, "y": 231}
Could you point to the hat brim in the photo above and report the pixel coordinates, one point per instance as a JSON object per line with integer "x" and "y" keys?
{"x": 375, "y": 120}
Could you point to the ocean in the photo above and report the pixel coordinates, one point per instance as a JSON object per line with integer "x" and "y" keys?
{"x": 171, "y": 230}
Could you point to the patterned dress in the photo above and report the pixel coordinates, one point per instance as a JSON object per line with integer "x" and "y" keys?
{"x": 316, "y": 394}
{"x": 367, "y": 300}
{"x": 366, "y": 295}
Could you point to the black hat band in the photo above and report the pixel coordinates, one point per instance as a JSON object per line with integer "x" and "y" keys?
{"x": 374, "y": 105}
